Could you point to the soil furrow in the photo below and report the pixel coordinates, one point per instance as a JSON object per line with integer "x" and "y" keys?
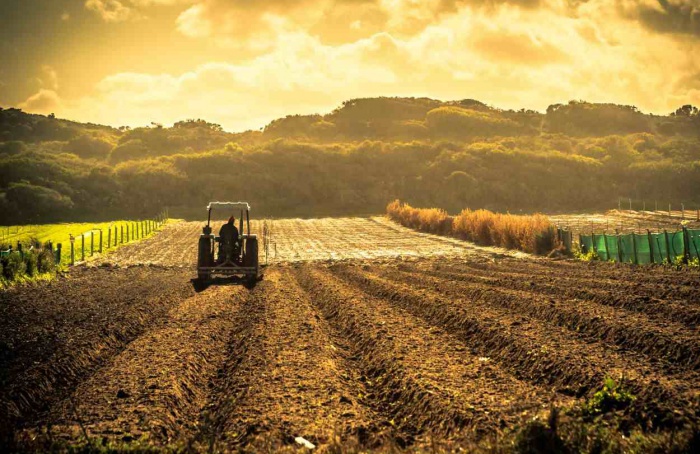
{"x": 286, "y": 378}
{"x": 661, "y": 282}
{"x": 427, "y": 381}
{"x": 153, "y": 391}
{"x": 667, "y": 343}
{"x": 540, "y": 353}
{"x": 52, "y": 347}
{"x": 656, "y": 308}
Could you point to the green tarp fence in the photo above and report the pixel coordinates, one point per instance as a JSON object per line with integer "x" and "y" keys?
{"x": 694, "y": 243}
{"x": 666, "y": 247}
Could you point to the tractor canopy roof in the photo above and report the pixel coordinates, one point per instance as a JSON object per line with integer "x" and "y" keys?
{"x": 231, "y": 205}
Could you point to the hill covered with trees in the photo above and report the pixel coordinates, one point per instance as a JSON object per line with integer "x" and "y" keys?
{"x": 575, "y": 156}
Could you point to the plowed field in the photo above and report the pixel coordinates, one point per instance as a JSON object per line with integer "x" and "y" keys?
{"x": 362, "y": 335}
{"x": 298, "y": 240}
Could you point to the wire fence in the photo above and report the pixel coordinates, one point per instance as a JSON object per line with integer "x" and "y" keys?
{"x": 98, "y": 241}
{"x": 81, "y": 247}
{"x": 638, "y": 219}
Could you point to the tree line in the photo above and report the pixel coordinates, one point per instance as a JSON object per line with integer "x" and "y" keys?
{"x": 577, "y": 156}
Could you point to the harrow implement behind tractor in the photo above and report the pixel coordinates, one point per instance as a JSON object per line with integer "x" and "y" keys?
{"x": 237, "y": 247}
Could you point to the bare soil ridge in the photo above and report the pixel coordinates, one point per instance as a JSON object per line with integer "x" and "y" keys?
{"x": 408, "y": 341}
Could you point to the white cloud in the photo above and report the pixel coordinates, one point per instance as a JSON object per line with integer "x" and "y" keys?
{"x": 506, "y": 55}
{"x": 43, "y": 102}
{"x": 122, "y": 10}
{"x": 49, "y": 78}
{"x": 111, "y": 10}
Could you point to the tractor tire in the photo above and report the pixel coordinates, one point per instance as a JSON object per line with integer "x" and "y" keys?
{"x": 204, "y": 257}
{"x": 251, "y": 257}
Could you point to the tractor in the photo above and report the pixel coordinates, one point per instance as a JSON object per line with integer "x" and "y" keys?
{"x": 234, "y": 252}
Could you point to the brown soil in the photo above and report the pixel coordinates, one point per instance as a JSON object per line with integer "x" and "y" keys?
{"x": 56, "y": 334}
{"x": 377, "y": 351}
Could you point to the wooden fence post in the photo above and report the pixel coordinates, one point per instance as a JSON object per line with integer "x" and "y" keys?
{"x": 668, "y": 247}
{"x": 92, "y": 243}
{"x": 100, "y": 241}
{"x": 122, "y": 235}
{"x": 72, "y": 250}
{"x": 686, "y": 246}
{"x": 109, "y": 238}
{"x": 115, "y": 236}
{"x": 634, "y": 247}
{"x": 57, "y": 257}
{"x": 651, "y": 246}
{"x": 82, "y": 254}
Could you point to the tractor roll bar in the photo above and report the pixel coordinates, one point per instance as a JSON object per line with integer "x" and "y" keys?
{"x": 243, "y": 206}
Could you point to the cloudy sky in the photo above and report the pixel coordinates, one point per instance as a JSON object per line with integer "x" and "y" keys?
{"x": 241, "y": 63}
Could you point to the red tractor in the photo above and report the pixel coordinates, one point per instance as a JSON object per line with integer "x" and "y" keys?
{"x": 234, "y": 252}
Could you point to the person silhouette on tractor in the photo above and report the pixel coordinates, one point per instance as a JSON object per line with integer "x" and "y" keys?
{"x": 228, "y": 242}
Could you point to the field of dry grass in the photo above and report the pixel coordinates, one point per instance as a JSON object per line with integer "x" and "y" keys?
{"x": 534, "y": 234}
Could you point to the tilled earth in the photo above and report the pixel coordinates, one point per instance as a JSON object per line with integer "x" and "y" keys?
{"x": 303, "y": 240}
{"x": 380, "y": 352}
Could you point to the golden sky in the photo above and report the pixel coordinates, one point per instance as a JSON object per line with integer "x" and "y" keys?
{"x": 242, "y": 63}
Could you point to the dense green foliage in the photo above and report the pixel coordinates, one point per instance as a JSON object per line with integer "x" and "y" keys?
{"x": 29, "y": 264}
{"x": 352, "y": 161}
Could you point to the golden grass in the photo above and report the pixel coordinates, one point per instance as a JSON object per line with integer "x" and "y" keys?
{"x": 533, "y": 234}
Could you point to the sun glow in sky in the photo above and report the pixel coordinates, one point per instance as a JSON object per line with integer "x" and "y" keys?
{"x": 242, "y": 63}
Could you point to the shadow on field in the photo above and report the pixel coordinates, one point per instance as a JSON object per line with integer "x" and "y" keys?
{"x": 200, "y": 286}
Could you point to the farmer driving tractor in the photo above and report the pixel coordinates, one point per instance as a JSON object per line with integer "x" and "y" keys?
{"x": 238, "y": 247}
{"x": 228, "y": 239}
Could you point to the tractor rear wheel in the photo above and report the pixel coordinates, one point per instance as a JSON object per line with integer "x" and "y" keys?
{"x": 251, "y": 258}
{"x": 205, "y": 257}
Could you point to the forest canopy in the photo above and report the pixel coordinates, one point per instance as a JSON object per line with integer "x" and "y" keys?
{"x": 576, "y": 156}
